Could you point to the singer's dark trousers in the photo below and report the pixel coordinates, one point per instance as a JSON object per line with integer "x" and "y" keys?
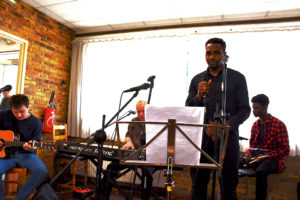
{"x": 229, "y": 179}
{"x": 263, "y": 169}
{"x": 112, "y": 171}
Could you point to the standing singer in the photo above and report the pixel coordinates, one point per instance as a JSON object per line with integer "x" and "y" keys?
{"x": 205, "y": 90}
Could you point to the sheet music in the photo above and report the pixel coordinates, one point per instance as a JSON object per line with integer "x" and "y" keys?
{"x": 185, "y": 153}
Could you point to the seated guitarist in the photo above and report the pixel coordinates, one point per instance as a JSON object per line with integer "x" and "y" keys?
{"x": 29, "y": 128}
{"x": 134, "y": 138}
{"x": 270, "y": 140}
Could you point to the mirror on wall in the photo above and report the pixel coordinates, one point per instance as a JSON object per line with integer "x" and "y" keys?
{"x": 13, "y": 53}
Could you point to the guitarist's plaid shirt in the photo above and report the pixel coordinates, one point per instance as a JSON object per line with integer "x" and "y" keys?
{"x": 275, "y": 139}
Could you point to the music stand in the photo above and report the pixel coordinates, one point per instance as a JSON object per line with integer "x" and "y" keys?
{"x": 171, "y": 125}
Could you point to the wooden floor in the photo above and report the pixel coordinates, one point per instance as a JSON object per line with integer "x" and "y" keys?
{"x": 66, "y": 194}
{"x": 114, "y": 196}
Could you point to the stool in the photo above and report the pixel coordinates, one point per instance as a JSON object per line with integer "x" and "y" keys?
{"x": 14, "y": 179}
{"x": 60, "y": 135}
{"x": 247, "y": 173}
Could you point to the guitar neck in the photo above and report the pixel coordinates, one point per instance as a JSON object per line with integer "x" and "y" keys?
{"x": 20, "y": 144}
{"x": 14, "y": 143}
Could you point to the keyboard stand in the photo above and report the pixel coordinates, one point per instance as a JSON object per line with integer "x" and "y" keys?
{"x": 115, "y": 183}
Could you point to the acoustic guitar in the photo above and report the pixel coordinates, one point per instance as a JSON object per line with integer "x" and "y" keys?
{"x": 7, "y": 137}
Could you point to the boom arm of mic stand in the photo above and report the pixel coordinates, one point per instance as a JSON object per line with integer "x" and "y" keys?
{"x": 91, "y": 141}
{"x": 133, "y": 96}
{"x": 84, "y": 139}
{"x": 100, "y": 146}
{"x": 68, "y": 165}
{"x": 150, "y": 91}
{"x": 110, "y": 121}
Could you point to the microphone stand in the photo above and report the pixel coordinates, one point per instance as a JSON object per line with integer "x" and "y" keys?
{"x": 68, "y": 165}
{"x": 217, "y": 118}
{"x": 98, "y": 184}
{"x": 220, "y": 115}
{"x": 102, "y": 138}
{"x": 224, "y": 117}
{"x": 151, "y": 80}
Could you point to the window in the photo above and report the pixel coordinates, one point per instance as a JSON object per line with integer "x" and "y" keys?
{"x": 265, "y": 54}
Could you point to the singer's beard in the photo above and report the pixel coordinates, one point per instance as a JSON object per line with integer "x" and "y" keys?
{"x": 215, "y": 67}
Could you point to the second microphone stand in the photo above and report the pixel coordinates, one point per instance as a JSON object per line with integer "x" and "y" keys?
{"x": 99, "y": 137}
{"x": 220, "y": 116}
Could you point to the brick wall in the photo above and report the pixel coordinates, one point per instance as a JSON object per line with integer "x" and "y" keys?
{"x": 49, "y": 56}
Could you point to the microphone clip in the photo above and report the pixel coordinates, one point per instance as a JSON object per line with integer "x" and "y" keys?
{"x": 100, "y": 136}
{"x": 151, "y": 80}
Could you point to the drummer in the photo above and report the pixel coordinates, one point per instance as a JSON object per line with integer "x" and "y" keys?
{"x": 270, "y": 135}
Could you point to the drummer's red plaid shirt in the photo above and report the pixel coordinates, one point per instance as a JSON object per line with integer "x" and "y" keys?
{"x": 275, "y": 139}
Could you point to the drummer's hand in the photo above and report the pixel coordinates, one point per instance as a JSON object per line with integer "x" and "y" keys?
{"x": 261, "y": 158}
{"x": 248, "y": 156}
{"x": 128, "y": 145}
{"x": 1, "y": 143}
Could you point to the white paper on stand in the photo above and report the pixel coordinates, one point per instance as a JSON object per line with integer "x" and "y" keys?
{"x": 185, "y": 153}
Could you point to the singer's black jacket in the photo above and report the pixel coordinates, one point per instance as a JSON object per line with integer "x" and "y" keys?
{"x": 237, "y": 100}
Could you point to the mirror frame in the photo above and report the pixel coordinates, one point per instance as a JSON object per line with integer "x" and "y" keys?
{"x": 22, "y": 59}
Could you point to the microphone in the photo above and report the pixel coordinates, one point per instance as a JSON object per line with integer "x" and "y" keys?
{"x": 144, "y": 86}
{"x": 205, "y": 79}
{"x": 131, "y": 112}
{"x": 242, "y": 138}
{"x": 225, "y": 59}
{"x": 151, "y": 78}
{"x": 6, "y": 88}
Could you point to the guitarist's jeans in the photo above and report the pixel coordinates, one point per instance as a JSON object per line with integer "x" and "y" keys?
{"x": 24, "y": 160}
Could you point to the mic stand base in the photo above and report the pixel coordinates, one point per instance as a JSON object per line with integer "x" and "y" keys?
{"x": 100, "y": 137}
{"x": 170, "y": 183}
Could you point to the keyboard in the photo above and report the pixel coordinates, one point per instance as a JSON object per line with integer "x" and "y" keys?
{"x": 109, "y": 153}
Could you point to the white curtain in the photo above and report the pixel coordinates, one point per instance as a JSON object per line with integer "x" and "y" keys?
{"x": 75, "y": 94}
{"x": 114, "y": 66}
{"x": 265, "y": 54}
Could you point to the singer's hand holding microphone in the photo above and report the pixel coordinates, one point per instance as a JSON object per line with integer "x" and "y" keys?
{"x": 203, "y": 89}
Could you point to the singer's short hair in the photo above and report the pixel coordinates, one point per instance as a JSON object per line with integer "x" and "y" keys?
{"x": 262, "y": 99}
{"x": 18, "y": 100}
{"x": 217, "y": 41}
